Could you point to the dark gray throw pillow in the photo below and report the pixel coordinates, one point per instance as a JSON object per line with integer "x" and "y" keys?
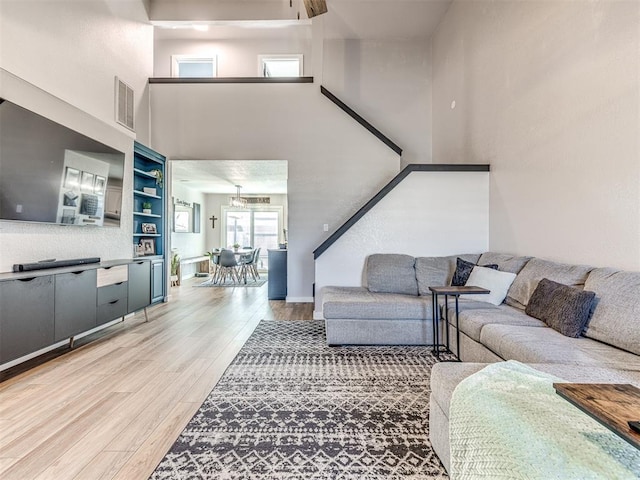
{"x": 463, "y": 270}
{"x": 564, "y": 308}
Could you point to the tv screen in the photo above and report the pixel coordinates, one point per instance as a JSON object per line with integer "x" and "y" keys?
{"x": 52, "y": 174}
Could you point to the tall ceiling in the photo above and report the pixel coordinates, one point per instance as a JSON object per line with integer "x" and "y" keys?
{"x": 352, "y": 19}
{"x": 223, "y": 19}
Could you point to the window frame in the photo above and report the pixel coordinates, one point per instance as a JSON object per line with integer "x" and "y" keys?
{"x": 285, "y": 56}
{"x": 176, "y": 60}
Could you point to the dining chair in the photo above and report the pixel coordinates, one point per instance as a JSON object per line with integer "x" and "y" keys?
{"x": 253, "y": 265}
{"x": 214, "y": 262}
{"x": 227, "y": 267}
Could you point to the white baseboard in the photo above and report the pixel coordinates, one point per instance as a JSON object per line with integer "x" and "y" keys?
{"x": 317, "y": 315}
{"x": 299, "y": 300}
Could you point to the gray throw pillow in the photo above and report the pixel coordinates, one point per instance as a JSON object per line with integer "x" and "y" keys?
{"x": 564, "y": 308}
{"x": 463, "y": 270}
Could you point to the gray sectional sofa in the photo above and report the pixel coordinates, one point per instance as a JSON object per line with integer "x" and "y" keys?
{"x": 395, "y": 308}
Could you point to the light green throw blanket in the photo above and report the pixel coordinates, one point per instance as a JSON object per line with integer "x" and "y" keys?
{"x": 507, "y": 422}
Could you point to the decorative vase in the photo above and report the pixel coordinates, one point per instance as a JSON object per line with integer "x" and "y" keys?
{"x": 146, "y": 210}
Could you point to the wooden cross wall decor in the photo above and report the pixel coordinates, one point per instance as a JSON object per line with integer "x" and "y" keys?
{"x": 213, "y": 221}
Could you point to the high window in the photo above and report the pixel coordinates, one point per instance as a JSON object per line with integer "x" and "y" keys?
{"x": 193, "y": 66}
{"x": 280, "y": 65}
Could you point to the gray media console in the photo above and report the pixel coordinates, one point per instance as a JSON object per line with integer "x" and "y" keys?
{"x": 40, "y": 309}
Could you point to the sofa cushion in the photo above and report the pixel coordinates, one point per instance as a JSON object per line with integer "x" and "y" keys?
{"x": 438, "y": 271}
{"x": 360, "y": 303}
{"x": 565, "y": 309}
{"x": 391, "y": 273}
{"x": 616, "y": 317}
{"x": 545, "y": 345}
{"x": 505, "y": 262}
{"x": 473, "y": 317}
{"x": 537, "y": 269}
{"x": 496, "y": 282}
{"x": 463, "y": 270}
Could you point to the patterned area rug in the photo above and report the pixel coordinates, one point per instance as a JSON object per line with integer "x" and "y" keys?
{"x": 290, "y": 407}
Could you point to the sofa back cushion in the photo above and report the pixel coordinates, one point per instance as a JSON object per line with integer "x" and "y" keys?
{"x": 616, "y": 317}
{"x": 535, "y": 270}
{"x": 438, "y": 271}
{"x": 391, "y": 273}
{"x": 505, "y": 262}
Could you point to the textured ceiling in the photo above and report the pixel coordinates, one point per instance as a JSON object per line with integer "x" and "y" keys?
{"x": 221, "y": 176}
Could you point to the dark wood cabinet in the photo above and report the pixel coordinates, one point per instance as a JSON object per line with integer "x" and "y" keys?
{"x": 277, "y": 275}
{"x": 26, "y": 316}
{"x": 41, "y": 309}
{"x": 139, "y": 285}
{"x": 75, "y": 303}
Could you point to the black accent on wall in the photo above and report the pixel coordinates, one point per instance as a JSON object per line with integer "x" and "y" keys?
{"x": 353, "y": 114}
{"x": 231, "y": 80}
{"x": 414, "y": 167}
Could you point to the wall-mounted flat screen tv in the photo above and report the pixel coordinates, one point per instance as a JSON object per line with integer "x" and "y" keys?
{"x": 52, "y": 174}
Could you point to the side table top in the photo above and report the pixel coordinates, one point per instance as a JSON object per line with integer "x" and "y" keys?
{"x": 451, "y": 290}
{"x": 613, "y": 405}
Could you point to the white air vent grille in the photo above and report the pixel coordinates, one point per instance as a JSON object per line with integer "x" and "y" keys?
{"x": 124, "y": 104}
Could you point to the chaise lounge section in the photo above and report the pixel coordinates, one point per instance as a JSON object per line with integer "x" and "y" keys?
{"x": 606, "y": 351}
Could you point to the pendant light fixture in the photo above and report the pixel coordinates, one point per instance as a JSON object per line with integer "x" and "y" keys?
{"x": 238, "y": 202}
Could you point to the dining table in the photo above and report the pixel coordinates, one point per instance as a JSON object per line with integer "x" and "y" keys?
{"x": 238, "y": 253}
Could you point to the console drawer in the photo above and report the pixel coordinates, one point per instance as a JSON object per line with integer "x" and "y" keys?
{"x": 110, "y": 311}
{"x": 111, "y": 275}
{"x": 110, "y": 293}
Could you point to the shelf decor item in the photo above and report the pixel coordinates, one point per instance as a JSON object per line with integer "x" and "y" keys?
{"x": 146, "y": 207}
{"x": 149, "y": 228}
{"x": 159, "y": 176}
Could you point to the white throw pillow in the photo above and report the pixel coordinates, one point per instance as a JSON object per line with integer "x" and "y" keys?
{"x": 496, "y": 281}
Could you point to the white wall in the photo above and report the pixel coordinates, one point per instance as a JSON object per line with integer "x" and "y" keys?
{"x": 59, "y": 59}
{"x": 427, "y": 214}
{"x": 235, "y": 58}
{"x": 548, "y": 93}
{"x": 189, "y": 244}
{"x": 388, "y": 82}
{"x": 335, "y": 165}
{"x": 73, "y": 50}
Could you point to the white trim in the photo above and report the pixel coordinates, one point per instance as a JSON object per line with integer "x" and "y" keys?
{"x": 318, "y": 315}
{"x": 176, "y": 60}
{"x": 299, "y": 299}
{"x": 290, "y": 56}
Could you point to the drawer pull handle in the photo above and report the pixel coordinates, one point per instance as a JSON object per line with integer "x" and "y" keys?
{"x": 119, "y": 283}
{"x": 113, "y": 302}
{"x": 30, "y": 279}
{"x": 80, "y": 272}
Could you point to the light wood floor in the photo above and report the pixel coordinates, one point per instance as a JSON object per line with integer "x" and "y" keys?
{"x": 112, "y": 407}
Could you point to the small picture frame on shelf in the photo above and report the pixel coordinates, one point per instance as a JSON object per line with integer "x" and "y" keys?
{"x": 149, "y": 228}
{"x": 148, "y": 246}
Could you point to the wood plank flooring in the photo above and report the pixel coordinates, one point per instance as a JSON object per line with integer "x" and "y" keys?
{"x": 111, "y": 407}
